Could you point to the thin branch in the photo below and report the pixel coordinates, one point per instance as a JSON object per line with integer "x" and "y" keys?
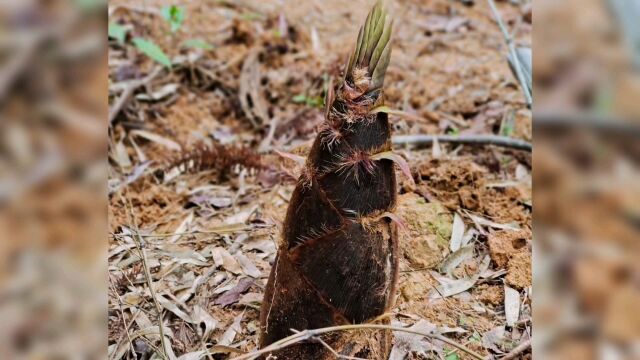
{"x": 128, "y": 90}
{"x": 332, "y": 350}
{"x": 124, "y": 318}
{"x": 502, "y": 141}
{"x": 147, "y": 273}
{"x": 602, "y": 123}
{"x": 512, "y": 53}
{"x": 308, "y": 334}
{"x": 227, "y": 229}
{"x": 517, "y": 350}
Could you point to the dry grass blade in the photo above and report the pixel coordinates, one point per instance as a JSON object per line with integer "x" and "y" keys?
{"x": 517, "y": 66}
{"x": 143, "y": 256}
{"x": 128, "y": 91}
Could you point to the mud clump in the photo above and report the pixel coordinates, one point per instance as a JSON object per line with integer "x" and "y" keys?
{"x": 519, "y": 270}
{"x": 462, "y": 183}
{"x": 426, "y": 238}
{"x": 503, "y": 244}
{"x": 510, "y": 250}
{"x": 492, "y": 295}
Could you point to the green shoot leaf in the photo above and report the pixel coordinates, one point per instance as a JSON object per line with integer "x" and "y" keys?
{"x": 118, "y": 32}
{"x": 153, "y": 51}
{"x": 174, "y": 15}
{"x": 198, "y": 44}
{"x": 90, "y": 5}
{"x": 299, "y": 99}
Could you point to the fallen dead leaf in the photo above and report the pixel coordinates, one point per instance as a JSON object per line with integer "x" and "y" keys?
{"x": 247, "y": 265}
{"x": 232, "y": 296}
{"x": 227, "y": 337}
{"x": 511, "y": 305}
{"x": 222, "y": 257}
{"x": 457, "y": 233}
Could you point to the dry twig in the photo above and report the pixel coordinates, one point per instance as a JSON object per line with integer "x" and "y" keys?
{"x": 331, "y": 350}
{"x": 517, "y": 350}
{"x": 310, "y": 334}
{"x": 226, "y": 229}
{"x": 502, "y": 141}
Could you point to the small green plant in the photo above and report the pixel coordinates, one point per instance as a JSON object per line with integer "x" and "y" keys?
{"x": 453, "y": 131}
{"x": 118, "y": 32}
{"x": 313, "y": 101}
{"x": 152, "y": 50}
{"x": 507, "y": 125}
{"x": 174, "y": 15}
{"x": 452, "y": 356}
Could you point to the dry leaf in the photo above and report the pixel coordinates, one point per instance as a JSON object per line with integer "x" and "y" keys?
{"x": 183, "y": 255}
{"x": 458, "y": 257}
{"x": 131, "y": 298}
{"x": 452, "y": 287}
{"x": 120, "y": 155}
{"x": 247, "y": 266}
{"x": 266, "y": 246}
{"x": 196, "y": 355}
{"x": 251, "y": 298}
{"x": 169, "y": 144}
{"x": 183, "y": 227}
{"x": 172, "y": 307}
{"x": 406, "y": 343}
{"x": 232, "y": 296}
{"x": 511, "y": 305}
{"x": 159, "y": 94}
{"x": 241, "y": 217}
{"x": 457, "y": 233}
{"x": 486, "y": 222}
{"x": 436, "y": 150}
{"x": 494, "y": 339}
{"x": 232, "y": 330}
{"x": 222, "y": 257}
{"x": 203, "y": 318}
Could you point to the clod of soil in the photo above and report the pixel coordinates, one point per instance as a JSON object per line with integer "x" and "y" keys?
{"x": 490, "y": 294}
{"x": 425, "y": 241}
{"x": 519, "y": 270}
{"x": 504, "y": 244}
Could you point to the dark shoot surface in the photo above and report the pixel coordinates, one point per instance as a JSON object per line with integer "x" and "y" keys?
{"x": 337, "y": 263}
